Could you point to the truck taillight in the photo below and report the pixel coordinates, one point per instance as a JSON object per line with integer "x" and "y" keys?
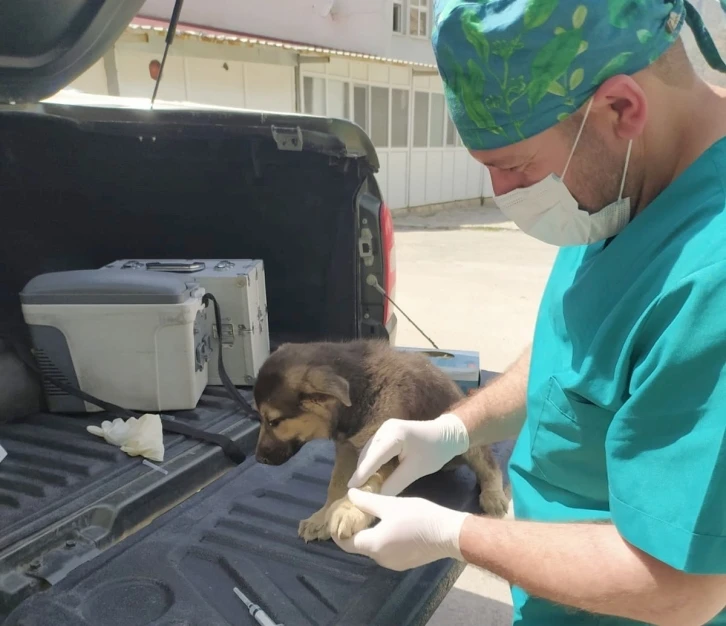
{"x": 389, "y": 260}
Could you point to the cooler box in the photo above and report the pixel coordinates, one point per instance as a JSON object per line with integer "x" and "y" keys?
{"x": 239, "y": 287}
{"x": 462, "y": 367}
{"x": 138, "y": 340}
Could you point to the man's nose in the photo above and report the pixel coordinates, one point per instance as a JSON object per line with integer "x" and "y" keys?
{"x": 504, "y": 181}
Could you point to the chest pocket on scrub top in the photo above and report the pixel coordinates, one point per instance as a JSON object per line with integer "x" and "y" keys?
{"x": 568, "y": 444}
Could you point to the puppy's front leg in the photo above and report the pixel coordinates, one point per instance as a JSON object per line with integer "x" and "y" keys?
{"x": 316, "y": 526}
{"x": 344, "y": 518}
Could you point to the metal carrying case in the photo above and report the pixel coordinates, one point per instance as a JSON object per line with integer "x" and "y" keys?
{"x": 140, "y": 341}
{"x": 238, "y": 285}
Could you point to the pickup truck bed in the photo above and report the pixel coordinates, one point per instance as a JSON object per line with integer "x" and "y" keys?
{"x": 241, "y": 531}
{"x": 66, "y": 495}
{"x": 92, "y": 536}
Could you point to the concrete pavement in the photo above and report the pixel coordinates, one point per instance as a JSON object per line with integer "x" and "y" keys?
{"x": 471, "y": 217}
{"x": 472, "y": 281}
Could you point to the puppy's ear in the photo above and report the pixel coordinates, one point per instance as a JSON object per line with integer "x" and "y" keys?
{"x": 325, "y": 381}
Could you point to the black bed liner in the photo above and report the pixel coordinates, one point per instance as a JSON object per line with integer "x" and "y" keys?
{"x": 66, "y": 495}
{"x": 242, "y": 531}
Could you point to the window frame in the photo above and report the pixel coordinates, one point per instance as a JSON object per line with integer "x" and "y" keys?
{"x": 427, "y": 145}
{"x": 346, "y": 96}
{"x": 348, "y": 93}
{"x": 449, "y": 126}
{"x": 409, "y": 117}
{"x": 416, "y": 5}
{"x": 442, "y": 119}
{"x": 305, "y": 93}
{"x": 386, "y": 88}
{"x": 400, "y": 4}
{"x": 367, "y": 87}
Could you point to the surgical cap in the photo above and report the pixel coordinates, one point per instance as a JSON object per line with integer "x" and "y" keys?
{"x": 514, "y": 68}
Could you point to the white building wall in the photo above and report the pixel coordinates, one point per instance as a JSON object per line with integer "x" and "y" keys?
{"x": 207, "y": 73}
{"x": 422, "y": 159}
{"x": 135, "y": 82}
{"x": 269, "y": 87}
{"x": 354, "y": 25}
{"x": 214, "y": 81}
{"x": 423, "y": 172}
{"x": 93, "y": 80}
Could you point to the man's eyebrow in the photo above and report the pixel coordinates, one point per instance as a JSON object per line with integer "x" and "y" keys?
{"x": 504, "y": 162}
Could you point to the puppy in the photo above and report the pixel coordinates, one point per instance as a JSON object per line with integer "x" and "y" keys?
{"x": 344, "y": 392}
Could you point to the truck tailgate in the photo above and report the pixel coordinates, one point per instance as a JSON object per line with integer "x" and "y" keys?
{"x": 241, "y": 531}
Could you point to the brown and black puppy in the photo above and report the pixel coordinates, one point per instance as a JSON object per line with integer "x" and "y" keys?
{"x": 344, "y": 392}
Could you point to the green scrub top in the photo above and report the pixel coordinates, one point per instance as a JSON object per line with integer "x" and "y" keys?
{"x": 626, "y": 408}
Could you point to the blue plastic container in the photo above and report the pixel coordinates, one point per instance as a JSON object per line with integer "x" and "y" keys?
{"x": 459, "y": 365}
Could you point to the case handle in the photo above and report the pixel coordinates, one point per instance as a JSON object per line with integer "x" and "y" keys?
{"x": 181, "y": 267}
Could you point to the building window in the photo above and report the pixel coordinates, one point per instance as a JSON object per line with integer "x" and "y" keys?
{"x": 314, "y": 95}
{"x": 436, "y": 132}
{"x": 420, "y": 119}
{"x": 450, "y": 132}
{"x": 418, "y": 18}
{"x": 398, "y": 17}
{"x": 360, "y": 106}
{"x": 399, "y": 118}
{"x": 338, "y": 99}
{"x": 379, "y": 116}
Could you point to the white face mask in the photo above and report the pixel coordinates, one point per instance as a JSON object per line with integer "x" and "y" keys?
{"x": 548, "y": 211}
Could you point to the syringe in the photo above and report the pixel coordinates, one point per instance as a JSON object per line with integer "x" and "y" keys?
{"x": 262, "y": 618}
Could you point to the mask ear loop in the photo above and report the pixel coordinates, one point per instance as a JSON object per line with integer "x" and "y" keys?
{"x": 577, "y": 139}
{"x": 625, "y": 171}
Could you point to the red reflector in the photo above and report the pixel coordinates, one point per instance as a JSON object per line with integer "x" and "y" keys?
{"x": 389, "y": 260}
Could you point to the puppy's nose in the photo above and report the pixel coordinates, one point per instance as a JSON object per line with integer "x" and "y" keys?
{"x": 262, "y": 459}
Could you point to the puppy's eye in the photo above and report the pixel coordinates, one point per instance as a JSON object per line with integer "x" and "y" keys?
{"x": 277, "y": 421}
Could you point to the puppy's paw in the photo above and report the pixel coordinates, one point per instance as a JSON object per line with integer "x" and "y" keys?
{"x": 315, "y": 528}
{"x": 345, "y": 519}
{"x": 494, "y": 503}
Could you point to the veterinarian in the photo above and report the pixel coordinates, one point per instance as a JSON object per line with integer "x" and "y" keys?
{"x": 601, "y": 139}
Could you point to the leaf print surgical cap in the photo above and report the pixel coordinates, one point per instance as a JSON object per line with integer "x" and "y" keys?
{"x": 514, "y": 68}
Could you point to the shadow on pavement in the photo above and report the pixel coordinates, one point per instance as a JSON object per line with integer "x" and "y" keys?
{"x": 464, "y": 608}
{"x": 486, "y": 217}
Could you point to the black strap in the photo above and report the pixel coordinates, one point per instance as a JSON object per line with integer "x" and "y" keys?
{"x": 27, "y": 358}
{"x": 226, "y": 381}
{"x": 230, "y": 448}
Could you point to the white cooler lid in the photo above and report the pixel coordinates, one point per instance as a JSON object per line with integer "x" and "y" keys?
{"x": 107, "y": 287}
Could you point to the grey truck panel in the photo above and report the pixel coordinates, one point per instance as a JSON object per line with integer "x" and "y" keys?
{"x": 242, "y": 532}
{"x": 66, "y": 495}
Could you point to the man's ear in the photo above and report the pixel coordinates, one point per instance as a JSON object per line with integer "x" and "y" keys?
{"x": 325, "y": 381}
{"x": 624, "y": 103}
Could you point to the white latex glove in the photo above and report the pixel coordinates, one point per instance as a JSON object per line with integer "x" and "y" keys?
{"x": 3, "y": 454}
{"x": 422, "y": 448}
{"x": 412, "y": 531}
{"x": 136, "y": 437}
